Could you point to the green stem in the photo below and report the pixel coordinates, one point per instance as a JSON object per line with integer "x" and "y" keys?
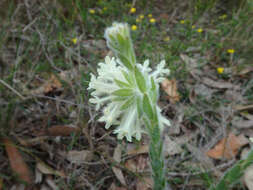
{"x": 156, "y": 153}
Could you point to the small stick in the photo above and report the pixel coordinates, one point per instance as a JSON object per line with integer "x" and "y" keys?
{"x": 12, "y": 89}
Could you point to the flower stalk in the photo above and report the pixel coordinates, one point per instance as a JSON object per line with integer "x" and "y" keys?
{"x": 128, "y": 93}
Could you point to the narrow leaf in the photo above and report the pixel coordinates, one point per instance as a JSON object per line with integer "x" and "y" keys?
{"x": 140, "y": 80}
{"x": 121, "y": 84}
{"x": 147, "y": 108}
{"x": 127, "y": 104}
{"x": 129, "y": 77}
{"x": 125, "y": 61}
{"x": 123, "y": 92}
{"x": 17, "y": 163}
{"x": 139, "y": 106}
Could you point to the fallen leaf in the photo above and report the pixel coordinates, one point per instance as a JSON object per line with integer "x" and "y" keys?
{"x": 228, "y": 147}
{"x": 17, "y": 163}
{"x": 131, "y": 165}
{"x": 134, "y": 150}
{"x": 45, "y": 169}
{"x": 59, "y": 130}
{"x": 144, "y": 183}
{"x": 247, "y": 115}
{"x": 170, "y": 87}
{"x": 117, "y": 157}
{"x": 243, "y": 107}
{"x": 218, "y": 84}
{"x": 52, "y": 84}
{"x": 138, "y": 164}
{"x": 242, "y": 124}
{"x": 245, "y": 71}
{"x": 248, "y": 177}
{"x": 78, "y": 157}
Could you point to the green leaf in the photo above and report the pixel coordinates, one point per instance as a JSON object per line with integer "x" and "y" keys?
{"x": 153, "y": 91}
{"x": 129, "y": 77}
{"x": 140, "y": 80}
{"x": 119, "y": 99}
{"x": 123, "y": 92}
{"x": 139, "y": 106}
{"x": 122, "y": 84}
{"x": 125, "y": 61}
{"x": 147, "y": 108}
{"x": 127, "y": 104}
{"x": 122, "y": 43}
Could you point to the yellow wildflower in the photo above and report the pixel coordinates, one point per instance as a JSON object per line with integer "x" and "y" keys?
{"x": 152, "y": 20}
{"x": 141, "y": 16}
{"x": 132, "y": 10}
{"x": 74, "y": 40}
{"x": 223, "y": 16}
{"x": 182, "y": 21}
{"x": 231, "y": 51}
{"x": 138, "y": 20}
{"x": 92, "y": 11}
{"x": 134, "y": 27}
{"x": 150, "y": 15}
{"x": 220, "y": 70}
{"x": 200, "y": 30}
{"x": 193, "y": 26}
{"x": 105, "y": 8}
{"x": 166, "y": 39}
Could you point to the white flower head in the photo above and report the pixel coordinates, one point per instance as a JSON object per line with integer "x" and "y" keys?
{"x": 116, "y": 91}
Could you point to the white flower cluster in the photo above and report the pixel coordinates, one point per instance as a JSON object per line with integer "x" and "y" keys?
{"x": 115, "y": 90}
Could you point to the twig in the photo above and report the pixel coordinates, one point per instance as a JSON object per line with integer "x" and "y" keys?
{"x": 12, "y": 89}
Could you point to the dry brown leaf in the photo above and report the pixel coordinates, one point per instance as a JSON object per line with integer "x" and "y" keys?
{"x": 243, "y": 107}
{"x": 78, "y": 157}
{"x": 133, "y": 150}
{"x": 17, "y": 163}
{"x": 138, "y": 164}
{"x": 52, "y": 84}
{"x": 59, "y": 130}
{"x": 170, "y": 87}
{"x": 217, "y": 84}
{"x": 45, "y": 169}
{"x": 117, "y": 157}
{"x": 228, "y": 147}
{"x": 131, "y": 165}
{"x": 144, "y": 183}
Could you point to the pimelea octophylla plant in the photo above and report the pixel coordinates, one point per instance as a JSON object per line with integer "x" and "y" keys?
{"x": 128, "y": 93}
